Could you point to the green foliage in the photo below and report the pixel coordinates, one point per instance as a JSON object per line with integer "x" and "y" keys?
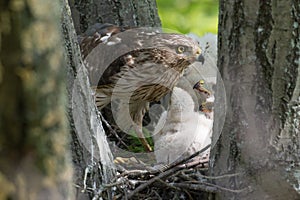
{"x": 135, "y": 144}
{"x": 185, "y": 16}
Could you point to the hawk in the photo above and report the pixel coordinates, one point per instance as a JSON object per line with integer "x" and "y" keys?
{"x": 135, "y": 66}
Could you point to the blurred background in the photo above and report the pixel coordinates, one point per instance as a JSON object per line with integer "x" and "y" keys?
{"x": 189, "y": 16}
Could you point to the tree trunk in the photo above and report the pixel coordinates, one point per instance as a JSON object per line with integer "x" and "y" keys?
{"x": 135, "y": 13}
{"x": 258, "y": 59}
{"x": 92, "y": 157}
{"x": 34, "y": 158}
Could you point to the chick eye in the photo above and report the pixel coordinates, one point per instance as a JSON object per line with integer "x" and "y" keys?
{"x": 180, "y": 49}
{"x": 201, "y": 82}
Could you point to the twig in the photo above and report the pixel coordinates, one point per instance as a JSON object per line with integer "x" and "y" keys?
{"x": 184, "y": 159}
{"x": 180, "y": 161}
{"x": 87, "y": 189}
{"x": 195, "y": 187}
{"x": 135, "y": 172}
{"x": 220, "y": 177}
{"x": 226, "y": 189}
{"x": 189, "y": 195}
{"x": 166, "y": 171}
{"x": 86, "y": 171}
{"x": 156, "y": 178}
{"x": 159, "y": 197}
{"x": 168, "y": 185}
{"x": 125, "y": 194}
{"x": 122, "y": 181}
{"x": 184, "y": 176}
{"x": 193, "y": 164}
{"x": 112, "y": 130}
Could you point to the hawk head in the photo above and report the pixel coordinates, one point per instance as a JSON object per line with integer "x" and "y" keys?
{"x": 181, "y": 46}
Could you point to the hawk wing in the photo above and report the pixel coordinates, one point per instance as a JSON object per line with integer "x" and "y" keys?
{"x": 106, "y": 51}
{"x": 97, "y": 34}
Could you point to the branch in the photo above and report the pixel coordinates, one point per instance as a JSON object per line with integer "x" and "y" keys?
{"x": 168, "y": 170}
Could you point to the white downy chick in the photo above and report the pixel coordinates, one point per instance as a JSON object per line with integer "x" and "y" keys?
{"x": 180, "y": 130}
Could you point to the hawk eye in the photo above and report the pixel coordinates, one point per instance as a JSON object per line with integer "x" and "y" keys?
{"x": 180, "y": 49}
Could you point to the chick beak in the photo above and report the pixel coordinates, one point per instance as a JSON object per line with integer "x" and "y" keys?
{"x": 199, "y": 86}
{"x": 206, "y": 107}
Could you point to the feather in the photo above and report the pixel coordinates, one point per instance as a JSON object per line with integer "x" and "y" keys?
{"x": 180, "y": 130}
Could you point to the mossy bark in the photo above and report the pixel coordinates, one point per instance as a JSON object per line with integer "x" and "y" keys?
{"x": 34, "y": 155}
{"x": 258, "y": 59}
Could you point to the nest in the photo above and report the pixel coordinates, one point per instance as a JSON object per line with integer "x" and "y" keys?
{"x": 176, "y": 181}
{"x": 185, "y": 178}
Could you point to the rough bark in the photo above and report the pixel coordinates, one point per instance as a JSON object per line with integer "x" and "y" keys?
{"x": 91, "y": 154}
{"x": 259, "y": 62}
{"x": 34, "y": 156}
{"x": 136, "y": 13}
{"x": 92, "y": 158}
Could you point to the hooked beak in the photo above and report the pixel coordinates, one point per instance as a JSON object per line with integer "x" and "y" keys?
{"x": 200, "y": 57}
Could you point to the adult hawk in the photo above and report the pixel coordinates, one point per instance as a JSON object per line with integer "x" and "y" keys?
{"x": 135, "y": 67}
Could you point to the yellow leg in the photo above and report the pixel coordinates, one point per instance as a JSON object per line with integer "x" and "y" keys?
{"x": 139, "y": 133}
